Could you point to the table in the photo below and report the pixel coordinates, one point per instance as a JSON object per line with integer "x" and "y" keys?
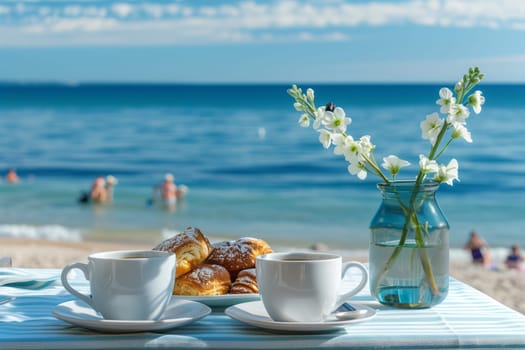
{"x": 467, "y": 319}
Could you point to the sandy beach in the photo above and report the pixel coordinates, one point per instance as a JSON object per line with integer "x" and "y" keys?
{"x": 56, "y": 254}
{"x": 503, "y": 285}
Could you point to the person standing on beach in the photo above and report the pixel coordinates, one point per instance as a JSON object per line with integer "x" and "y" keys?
{"x": 12, "y": 177}
{"x": 479, "y": 249}
{"x": 167, "y": 191}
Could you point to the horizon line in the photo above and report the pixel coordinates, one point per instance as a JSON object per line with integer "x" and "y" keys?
{"x": 66, "y": 83}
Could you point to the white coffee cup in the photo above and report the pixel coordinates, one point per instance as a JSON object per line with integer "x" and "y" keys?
{"x": 127, "y": 284}
{"x": 303, "y": 287}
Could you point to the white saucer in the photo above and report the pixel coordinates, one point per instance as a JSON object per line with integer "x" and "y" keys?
{"x": 178, "y": 313}
{"x": 220, "y": 300}
{"x": 254, "y": 313}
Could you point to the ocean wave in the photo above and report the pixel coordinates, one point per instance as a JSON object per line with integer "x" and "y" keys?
{"x": 47, "y": 232}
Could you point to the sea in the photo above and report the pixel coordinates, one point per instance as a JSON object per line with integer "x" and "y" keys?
{"x": 250, "y": 168}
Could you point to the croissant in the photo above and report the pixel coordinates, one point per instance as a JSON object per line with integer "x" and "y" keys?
{"x": 205, "y": 279}
{"x": 191, "y": 248}
{"x": 238, "y": 255}
{"x": 246, "y": 282}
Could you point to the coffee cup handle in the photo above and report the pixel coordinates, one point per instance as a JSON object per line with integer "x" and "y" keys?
{"x": 84, "y": 268}
{"x": 361, "y": 285}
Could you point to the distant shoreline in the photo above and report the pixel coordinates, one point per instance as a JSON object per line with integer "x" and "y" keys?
{"x": 62, "y": 236}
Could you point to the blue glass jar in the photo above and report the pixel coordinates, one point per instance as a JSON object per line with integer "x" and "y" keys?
{"x": 409, "y": 246}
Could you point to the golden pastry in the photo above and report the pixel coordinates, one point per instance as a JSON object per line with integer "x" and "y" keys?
{"x": 246, "y": 282}
{"x": 206, "y": 279}
{"x": 238, "y": 255}
{"x": 191, "y": 248}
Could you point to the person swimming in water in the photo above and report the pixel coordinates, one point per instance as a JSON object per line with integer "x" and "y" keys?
{"x": 111, "y": 182}
{"x": 167, "y": 192}
{"x": 12, "y": 177}
{"x": 98, "y": 193}
{"x": 101, "y": 190}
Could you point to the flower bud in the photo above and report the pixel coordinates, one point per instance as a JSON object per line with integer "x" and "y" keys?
{"x": 310, "y": 94}
{"x": 458, "y": 87}
{"x": 298, "y": 106}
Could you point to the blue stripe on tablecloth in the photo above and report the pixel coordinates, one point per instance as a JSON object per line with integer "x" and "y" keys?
{"x": 466, "y": 319}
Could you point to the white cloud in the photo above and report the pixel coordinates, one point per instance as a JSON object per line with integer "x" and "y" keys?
{"x": 154, "y": 10}
{"x": 122, "y": 9}
{"x": 83, "y": 24}
{"x": 4, "y": 10}
{"x": 20, "y": 8}
{"x": 241, "y": 21}
{"x": 304, "y": 36}
{"x": 44, "y": 11}
{"x": 73, "y": 10}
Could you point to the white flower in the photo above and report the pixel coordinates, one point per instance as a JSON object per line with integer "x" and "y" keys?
{"x": 446, "y": 100}
{"x": 393, "y": 164}
{"x": 458, "y": 114}
{"x": 319, "y": 117}
{"x": 461, "y": 131}
{"x": 365, "y": 146}
{"x": 325, "y": 138}
{"x": 336, "y": 120}
{"x": 476, "y": 101}
{"x": 358, "y": 169}
{"x": 448, "y": 173}
{"x": 439, "y": 128}
{"x": 341, "y": 142}
{"x": 310, "y": 94}
{"x": 353, "y": 152}
{"x": 426, "y": 165}
{"x": 431, "y": 127}
{"x": 304, "y": 121}
{"x": 298, "y": 106}
{"x": 347, "y": 146}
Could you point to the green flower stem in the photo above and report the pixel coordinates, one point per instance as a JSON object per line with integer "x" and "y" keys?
{"x": 411, "y": 218}
{"x": 423, "y": 256}
{"x": 425, "y": 260}
{"x": 373, "y": 164}
{"x": 435, "y": 147}
{"x": 444, "y": 149}
{"x": 429, "y": 273}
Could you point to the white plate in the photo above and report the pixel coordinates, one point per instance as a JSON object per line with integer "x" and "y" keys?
{"x": 254, "y": 313}
{"x": 177, "y": 314}
{"x": 21, "y": 278}
{"x": 220, "y": 300}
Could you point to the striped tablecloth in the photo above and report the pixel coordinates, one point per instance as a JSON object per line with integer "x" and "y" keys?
{"x": 467, "y": 319}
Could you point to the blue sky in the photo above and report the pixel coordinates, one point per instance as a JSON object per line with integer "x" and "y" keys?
{"x": 261, "y": 41}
